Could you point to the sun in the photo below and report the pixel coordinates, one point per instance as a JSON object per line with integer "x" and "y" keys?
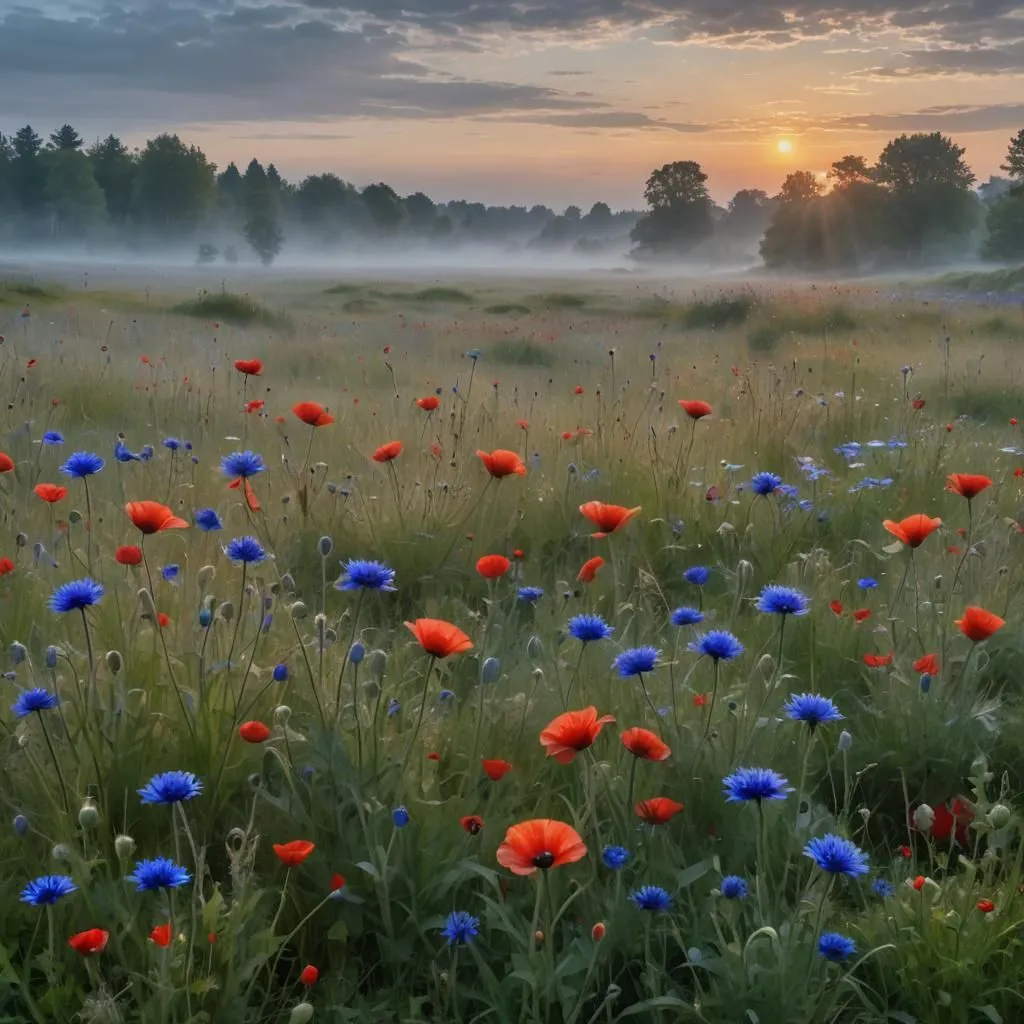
{"x": 784, "y": 146}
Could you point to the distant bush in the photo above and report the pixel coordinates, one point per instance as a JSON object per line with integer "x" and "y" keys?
{"x": 765, "y": 337}
{"x": 521, "y": 353}
{"x": 439, "y": 295}
{"x": 718, "y": 313}
{"x": 1009, "y": 280}
{"x": 508, "y": 309}
{"x": 561, "y": 300}
{"x": 1002, "y": 327}
{"x": 20, "y": 291}
{"x": 234, "y": 309}
{"x": 343, "y": 289}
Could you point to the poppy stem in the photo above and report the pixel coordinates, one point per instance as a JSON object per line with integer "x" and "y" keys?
{"x": 56, "y": 763}
{"x": 419, "y": 717}
{"x": 632, "y": 783}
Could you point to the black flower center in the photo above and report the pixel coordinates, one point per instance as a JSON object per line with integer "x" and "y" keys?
{"x": 544, "y": 860}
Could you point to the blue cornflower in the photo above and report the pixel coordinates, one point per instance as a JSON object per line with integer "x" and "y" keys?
{"x": 460, "y": 928}
{"x": 158, "y": 873}
{"x": 242, "y": 465}
{"x": 171, "y": 788}
{"x": 53, "y": 437}
{"x": 882, "y": 888}
{"x": 445, "y": 695}
{"x": 363, "y": 575}
{"x": 207, "y": 519}
{"x": 247, "y": 550}
{"x": 812, "y": 709}
{"x": 698, "y": 575}
{"x": 172, "y": 443}
{"x": 490, "y": 670}
{"x": 124, "y": 454}
{"x": 717, "y": 644}
{"x": 755, "y": 784}
{"x": 615, "y": 857}
{"x": 835, "y": 947}
{"x": 687, "y": 617}
{"x": 400, "y": 816}
{"x": 36, "y": 699}
{"x": 146, "y": 454}
{"x": 636, "y": 661}
{"x": 280, "y": 673}
{"x": 82, "y": 464}
{"x": 47, "y": 889}
{"x": 588, "y": 628}
{"x": 20, "y": 824}
{"x": 474, "y": 354}
{"x": 849, "y": 449}
{"x": 867, "y": 583}
{"x": 651, "y": 897}
{"x": 394, "y": 707}
{"x": 357, "y": 652}
{"x": 76, "y": 595}
{"x": 531, "y": 594}
{"x": 837, "y": 856}
{"x": 170, "y": 572}
{"x": 205, "y": 617}
{"x": 776, "y": 600}
{"x": 764, "y": 484}
{"x": 734, "y": 888}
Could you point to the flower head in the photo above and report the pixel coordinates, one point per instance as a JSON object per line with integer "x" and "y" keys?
{"x": 718, "y": 645}
{"x": 565, "y": 736}
{"x": 531, "y": 595}
{"x": 76, "y": 595}
{"x": 658, "y": 810}
{"x": 589, "y": 628}
{"x": 755, "y": 784}
{"x": 501, "y": 463}
{"x": 687, "y": 617}
{"x": 764, "y": 484}
{"x": 439, "y": 638}
{"x": 967, "y": 485}
{"x": 158, "y": 873}
{"x": 242, "y": 465}
{"x": 400, "y": 817}
{"x": 636, "y": 661}
{"x": 733, "y": 887}
{"x": 387, "y": 452}
{"x": 914, "y": 530}
{"x": 36, "y": 699}
{"x": 254, "y": 731}
{"x": 695, "y": 408}
{"x": 53, "y": 437}
{"x": 250, "y": 367}
{"x": 247, "y": 550}
{"x": 294, "y": 853}
{"x": 152, "y": 517}
{"x": 82, "y": 464}
{"x": 698, "y": 575}
{"x": 615, "y": 857}
{"x": 651, "y": 897}
{"x": 812, "y": 709}
{"x": 540, "y": 844}
{"x": 207, "y": 520}
{"x": 495, "y": 768}
{"x": 835, "y": 947}
{"x": 882, "y": 888}
{"x": 460, "y": 928}
{"x": 429, "y": 403}
{"x": 128, "y": 554}
{"x": 50, "y": 493}
{"x": 776, "y": 600}
{"x": 47, "y": 889}
{"x": 171, "y": 788}
{"x": 837, "y": 856}
{"x": 89, "y": 942}
{"x": 607, "y": 518}
{"x": 645, "y": 744}
{"x": 358, "y": 574}
{"x": 493, "y": 567}
{"x": 978, "y": 624}
{"x": 313, "y": 414}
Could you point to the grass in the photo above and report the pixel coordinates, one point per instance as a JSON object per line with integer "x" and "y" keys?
{"x": 23, "y": 291}
{"x": 716, "y": 314}
{"x": 189, "y": 651}
{"x": 559, "y": 300}
{"x": 508, "y": 309}
{"x": 240, "y": 310}
{"x": 1009, "y": 279}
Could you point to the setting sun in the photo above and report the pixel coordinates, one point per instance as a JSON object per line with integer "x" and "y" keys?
{"x": 784, "y": 146}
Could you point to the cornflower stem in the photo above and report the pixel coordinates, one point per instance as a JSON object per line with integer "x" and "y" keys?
{"x": 805, "y": 761}
{"x": 762, "y": 878}
{"x": 88, "y": 525}
{"x": 817, "y": 922}
{"x": 650, "y": 703}
{"x": 51, "y": 946}
{"x": 238, "y": 616}
{"x": 419, "y": 717}
{"x": 56, "y": 763}
{"x": 344, "y": 665}
{"x": 632, "y": 783}
{"x": 576, "y": 672}
{"x": 707, "y": 719}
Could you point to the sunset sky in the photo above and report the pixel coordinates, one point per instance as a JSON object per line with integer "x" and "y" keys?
{"x": 552, "y": 101}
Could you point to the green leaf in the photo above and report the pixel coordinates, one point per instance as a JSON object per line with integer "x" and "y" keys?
{"x": 692, "y": 873}
{"x": 991, "y": 1012}
{"x": 657, "y": 1003}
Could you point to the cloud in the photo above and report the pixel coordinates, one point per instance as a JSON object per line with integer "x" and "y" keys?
{"x": 978, "y": 61}
{"x": 609, "y": 119}
{"x": 952, "y": 119}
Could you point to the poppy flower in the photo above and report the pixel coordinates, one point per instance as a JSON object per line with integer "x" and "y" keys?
{"x": 978, "y": 624}
{"x": 837, "y": 607}
{"x": 152, "y": 517}
{"x": 128, "y": 554}
{"x": 700, "y": 700}
{"x": 918, "y": 883}
{"x": 254, "y": 405}
{"x": 598, "y": 932}
{"x": 389, "y": 451}
{"x": 588, "y": 573}
{"x": 541, "y": 843}
{"x": 495, "y": 768}
{"x": 861, "y": 614}
{"x": 253, "y": 732}
{"x": 51, "y": 493}
{"x": 952, "y": 819}
{"x": 967, "y": 485}
{"x": 250, "y": 367}
{"x": 877, "y": 660}
{"x": 428, "y": 404}
{"x": 337, "y": 882}
{"x": 163, "y": 619}
{"x": 308, "y": 976}
{"x": 914, "y": 530}
{"x": 313, "y": 413}
{"x": 565, "y": 736}
{"x": 644, "y": 743}
{"x": 493, "y": 567}
{"x": 694, "y": 408}
{"x": 607, "y": 518}
{"x": 501, "y": 463}
{"x": 523, "y": 424}
{"x": 6, "y": 566}
{"x": 472, "y": 823}
{"x": 985, "y": 906}
{"x": 6, "y": 463}
{"x": 161, "y": 935}
{"x": 433, "y": 756}
{"x": 927, "y": 665}
{"x": 294, "y": 853}
{"x": 439, "y": 638}
{"x": 89, "y": 942}
{"x": 918, "y": 403}
{"x": 658, "y": 810}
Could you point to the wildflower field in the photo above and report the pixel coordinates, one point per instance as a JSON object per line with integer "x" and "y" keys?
{"x": 495, "y": 654}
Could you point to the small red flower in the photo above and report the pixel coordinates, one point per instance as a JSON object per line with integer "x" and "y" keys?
{"x": 254, "y": 405}
{"x": 523, "y": 424}
{"x": 967, "y": 485}
{"x": 518, "y": 553}
{"x": 309, "y": 976}
{"x": 493, "y": 567}
{"x": 6, "y": 463}
{"x": 645, "y": 744}
{"x": 918, "y": 403}
{"x": 389, "y": 451}
{"x": 918, "y": 883}
{"x": 128, "y": 554}
{"x": 927, "y": 665}
{"x": 294, "y": 853}
{"x": 658, "y": 810}
{"x": 906, "y": 852}
{"x": 700, "y": 700}
{"x": 978, "y": 624}
{"x": 313, "y": 414}
{"x": 6, "y": 566}
{"x": 1019, "y": 472}
{"x": 433, "y": 756}
{"x": 578, "y": 389}
{"x": 877, "y": 660}
{"x": 495, "y": 768}
{"x": 472, "y": 823}
{"x": 163, "y": 619}
{"x": 695, "y": 408}
{"x": 588, "y": 573}
{"x": 837, "y": 608}
{"x": 428, "y": 404}
{"x": 986, "y": 906}
{"x": 253, "y": 732}
{"x": 565, "y": 736}
{"x": 152, "y": 517}
{"x": 249, "y": 367}
{"x": 337, "y": 882}
{"x": 51, "y": 493}
{"x": 501, "y": 463}
{"x": 439, "y": 638}
{"x": 161, "y": 935}
{"x": 861, "y": 614}
{"x": 90, "y": 942}
{"x": 598, "y": 932}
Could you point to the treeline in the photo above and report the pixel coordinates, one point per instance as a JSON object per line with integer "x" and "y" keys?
{"x": 168, "y": 193}
{"x": 917, "y": 203}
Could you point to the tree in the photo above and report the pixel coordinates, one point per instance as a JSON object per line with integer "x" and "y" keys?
{"x": 114, "y": 168}
{"x": 65, "y": 137}
{"x": 174, "y": 185}
{"x": 384, "y": 206}
{"x": 680, "y": 209}
{"x": 262, "y": 228}
{"x": 26, "y": 142}
{"x": 851, "y": 170}
{"x": 76, "y": 200}
{"x": 573, "y": 213}
{"x": 600, "y": 214}
{"x": 420, "y": 212}
{"x": 1005, "y": 229}
{"x": 800, "y": 187}
{"x": 27, "y": 173}
{"x": 1014, "y": 165}
{"x": 748, "y": 214}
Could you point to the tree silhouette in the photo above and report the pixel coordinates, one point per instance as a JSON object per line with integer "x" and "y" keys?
{"x": 680, "y": 214}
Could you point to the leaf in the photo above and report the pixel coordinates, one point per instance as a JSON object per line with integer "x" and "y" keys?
{"x": 370, "y": 869}
{"x": 991, "y": 1012}
{"x": 901, "y": 1017}
{"x": 692, "y": 873}
{"x": 657, "y": 1003}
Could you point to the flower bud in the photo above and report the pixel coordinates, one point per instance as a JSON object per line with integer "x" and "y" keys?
{"x": 282, "y": 714}
{"x": 378, "y": 663}
{"x": 124, "y": 847}
{"x": 20, "y": 824}
{"x": 61, "y": 852}
{"x": 280, "y": 673}
{"x": 74, "y": 517}
{"x": 146, "y": 603}
{"x": 114, "y": 661}
{"x": 845, "y": 741}
{"x": 490, "y": 670}
{"x": 766, "y": 666}
{"x": 537, "y": 674}
{"x": 288, "y": 583}
{"x": 21, "y": 540}
{"x": 744, "y": 572}
{"x": 597, "y": 933}
{"x": 356, "y": 653}
{"x": 302, "y": 1013}
{"x": 924, "y": 818}
{"x": 299, "y": 610}
{"x": 226, "y": 611}
{"x": 88, "y": 814}
{"x": 205, "y": 576}
{"x": 52, "y": 653}
{"x": 18, "y": 652}
{"x": 325, "y": 545}
{"x": 534, "y": 647}
{"x": 999, "y": 816}
{"x": 205, "y": 617}
{"x": 613, "y": 992}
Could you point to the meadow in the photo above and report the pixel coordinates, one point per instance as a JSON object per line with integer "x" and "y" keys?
{"x": 523, "y": 652}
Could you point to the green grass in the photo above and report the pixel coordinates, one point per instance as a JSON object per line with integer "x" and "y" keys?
{"x": 559, "y": 300}
{"x": 508, "y": 309}
{"x": 233, "y": 309}
{"x": 1010, "y": 279}
{"x": 1000, "y": 326}
{"x": 23, "y": 291}
{"x": 716, "y": 314}
{"x": 344, "y": 289}
{"x": 514, "y": 352}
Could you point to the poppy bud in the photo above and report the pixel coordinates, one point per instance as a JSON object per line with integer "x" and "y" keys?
{"x": 308, "y": 976}
{"x": 325, "y": 545}
{"x": 18, "y": 652}
{"x": 21, "y": 540}
{"x": 226, "y": 611}
{"x": 124, "y": 847}
{"x": 61, "y": 852}
{"x": 613, "y": 992}
{"x": 534, "y": 647}
{"x": 597, "y": 933}
{"x": 330, "y": 637}
{"x": 20, "y": 824}
{"x": 538, "y": 936}
{"x": 490, "y": 670}
{"x": 205, "y": 576}
{"x": 999, "y": 816}
{"x": 299, "y": 610}
{"x": 114, "y": 661}
{"x": 538, "y": 674}
{"x": 288, "y": 583}
{"x": 378, "y": 663}
{"x": 146, "y": 603}
{"x": 356, "y": 653}
{"x": 74, "y": 517}
{"x": 320, "y": 622}
{"x": 986, "y": 906}
{"x": 744, "y": 571}
{"x": 52, "y": 653}
{"x": 205, "y": 618}
{"x": 924, "y": 818}
{"x": 282, "y": 714}
{"x": 88, "y": 814}
{"x": 302, "y": 1013}
{"x": 766, "y": 666}
{"x": 845, "y": 741}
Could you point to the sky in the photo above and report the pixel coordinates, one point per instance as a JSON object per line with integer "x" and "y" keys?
{"x": 522, "y": 101}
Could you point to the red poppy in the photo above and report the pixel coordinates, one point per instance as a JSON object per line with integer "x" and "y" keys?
{"x": 31, "y": 363}
{"x": 387, "y": 452}
{"x": 967, "y": 485}
{"x": 1019, "y": 472}
{"x": 588, "y": 573}
{"x": 914, "y": 530}
{"x": 161, "y": 935}
{"x": 439, "y": 638}
{"x": 541, "y": 843}
{"x": 523, "y": 424}
{"x": 918, "y": 403}
{"x": 566, "y": 435}
{"x": 6, "y": 463}
{"x": 308, "y": 976}
{"x": 250, "y": 367}
{"x": 163, "y": 619}
{"x": 565, "y": 736}
{"x": 313, "y": 413}
{"x": 644, "y": 743}
{"x": 927, "y": 665}
{"x": 519, "y": 553}
{"x": 861, "y": 614}
{"x": 6, "y": 566}
{"x": 495, "y": 768}
{"x": 433, "y": 756}
{"x": 607, "y": 518}
{"x": 493, "y": 567}
{"x": 952, "y": 819}
{"x": 919, "y": 882}
{"x": 837, "y": 607}
{"x": 501, "y": 463}
{"x": 294, "y": 853}
{"x": 472, "y": 823}
{"x": 128, "y": 554}
{"x": 978, "y": 624}
{"x": 700, "y": 700}
{"x": 152, "y": 517}
{"x": 89, "y": 942}
{"x": 877, "y": 660}
{"x": 695, "y": 408}
{"x": 253, "y": 732}
{"x": 985, "y": 906}
{"x": 598, "y": 932}
{"x": 337, "y": 882}
{"x": 254, "y": 405}
{"x": 436, "y": 450}
{"x": 906, "y": 852}
{"x": 428, "y": 404}
{"x": 578, "y": 389}
{"x": 51, "y": 493}
{"x": 658, "y": 810}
